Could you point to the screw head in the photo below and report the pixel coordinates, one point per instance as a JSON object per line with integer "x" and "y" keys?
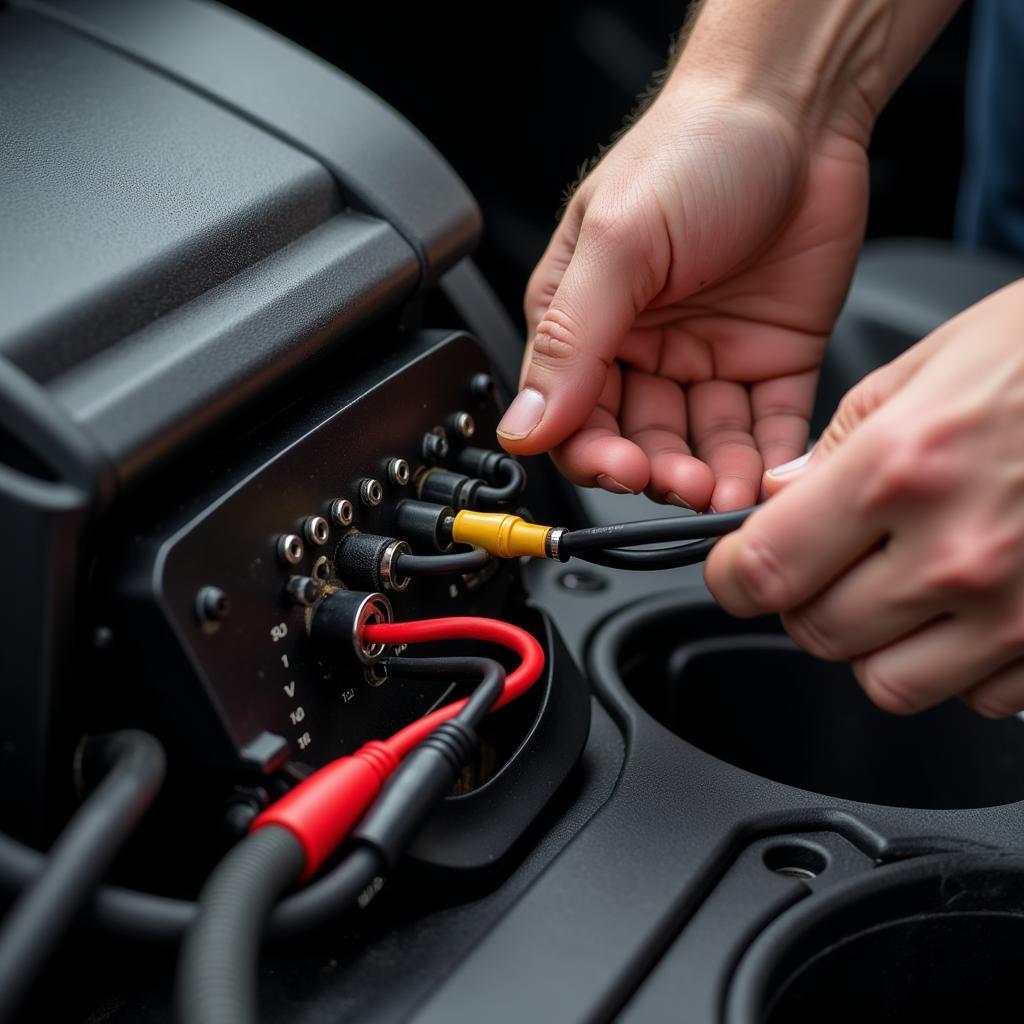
{"x": 212, "y": 605}
{"x": 290, "y": 549}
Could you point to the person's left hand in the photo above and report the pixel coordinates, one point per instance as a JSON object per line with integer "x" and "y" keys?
{"x": 899, "y": 542}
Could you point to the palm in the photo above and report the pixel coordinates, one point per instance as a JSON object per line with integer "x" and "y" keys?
{"x": 712, "y": 383}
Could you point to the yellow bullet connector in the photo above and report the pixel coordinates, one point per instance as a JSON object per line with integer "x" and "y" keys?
{"x": 505, "y": 535}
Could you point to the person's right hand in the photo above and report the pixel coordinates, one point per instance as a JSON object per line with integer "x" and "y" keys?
{"x": 680, "y": 313}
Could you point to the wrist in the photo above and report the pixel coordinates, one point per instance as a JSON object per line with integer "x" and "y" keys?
{"x": 822, "y": 66}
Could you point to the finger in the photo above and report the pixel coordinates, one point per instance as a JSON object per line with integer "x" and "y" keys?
{"x": 1000, "y": 695}
{"x": 550, "y": 270}
{"x": 653, "y": 416}
{"x": 597, "y": 454}
{"x": 781, "y": 410}
{"x": 872, "y": 605}
{"x": 720, "y": 424}
{"x": 946, "y": 657}
{"x": 577, "y": 337}
{"x": 804, "y": 538}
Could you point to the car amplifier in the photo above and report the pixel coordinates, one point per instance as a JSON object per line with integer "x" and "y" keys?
{"x": 222, "y": 361}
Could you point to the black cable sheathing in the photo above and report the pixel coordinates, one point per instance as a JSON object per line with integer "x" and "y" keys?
{"x": 491, "y": 496}
{"x": 458, "y": 562}
{"x": 64, "y": 880}
{"x": 651, "y": 559}
{"x": 417, "y": 786}
{"x": 164, "y": 919}
{"x": 651, "y": 531}
{"x": 216, "y": 981}
{"x": 490, "y": 673}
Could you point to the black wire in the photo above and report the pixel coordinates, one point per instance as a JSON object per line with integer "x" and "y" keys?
{"x": 217, "y": 971}
{"x": 455, "y": 563}
{"x": 490, "y": 496}
{"x": 490, "y": 673}
{"x": 656, "y": 558}
{"x": 66, "y": 878}
{"x": 165, "y": 919}
{"x": 651, "y": 531}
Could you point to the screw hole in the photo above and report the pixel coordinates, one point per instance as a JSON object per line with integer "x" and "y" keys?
{"x": 796, "y": 860}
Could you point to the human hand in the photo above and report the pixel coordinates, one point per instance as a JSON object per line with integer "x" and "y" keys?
{"x": 680, "y": 313}
{"x": 899, "y": 542}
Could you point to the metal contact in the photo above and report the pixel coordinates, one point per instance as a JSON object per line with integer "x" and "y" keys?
{"x": 389, "y": 574}
{"x": 374, "y": 608}
{"x": 553, "y": 541}
{"x": 316, "y": 529}
{"x": 290, "y": 549}
{"x": 399, "y": 472}
{"x": 463, "y": 424}
{"x": 342, "y": 511}
{"x": 370, "y": 492}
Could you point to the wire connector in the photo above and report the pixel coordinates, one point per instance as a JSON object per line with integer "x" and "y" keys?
{"x": 502, "y": 534}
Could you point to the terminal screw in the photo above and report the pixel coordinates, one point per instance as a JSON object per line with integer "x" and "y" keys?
{"x": 212, "y": 605}
{"x": 303, "y": 590}
{"x": 435, "y": 445}
{"x": 370, "y": 492}
{"x": 341, "y": 511}
{"x": 316, "y": 530}
{"x": 399, "y": 472}
{"x": 290, "y": 549}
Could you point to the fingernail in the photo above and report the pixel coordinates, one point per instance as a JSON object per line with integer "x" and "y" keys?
{"x": 609, "y": 483}
{"x": 790, "y": 467}
{"x": 673, "y": 499}
{"x": 522, "y": 415}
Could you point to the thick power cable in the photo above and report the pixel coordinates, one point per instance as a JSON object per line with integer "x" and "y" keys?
{"x": 69, "y": 875}
{"x": 217, "y": 976}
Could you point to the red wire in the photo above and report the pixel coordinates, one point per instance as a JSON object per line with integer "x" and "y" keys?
{"x": 324, "y": 808}
{"x": 467, "y": 627}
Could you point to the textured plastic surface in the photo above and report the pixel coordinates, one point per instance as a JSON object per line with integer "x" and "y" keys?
{"x": 385, "y": 166}
{"x": 125, "y": 196}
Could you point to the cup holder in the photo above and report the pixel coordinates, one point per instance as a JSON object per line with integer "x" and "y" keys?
{"x": 937, "y": 939}
{"x": 744, "y": 693}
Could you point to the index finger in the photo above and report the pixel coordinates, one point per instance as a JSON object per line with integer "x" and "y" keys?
{"x": 803, "y": 538}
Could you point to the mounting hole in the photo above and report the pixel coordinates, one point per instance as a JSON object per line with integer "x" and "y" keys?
{"x": 795, "y": 860}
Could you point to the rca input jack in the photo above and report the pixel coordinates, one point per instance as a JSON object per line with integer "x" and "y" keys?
{"x": 462, "y": 424}
{"x": 342, "y": 511}
{"x": 399, "y": 472}
{"x": 316, "y": 529}
{"x": 340, "y": 619}
{"x": 303, "y": 590}
{"x": 370, "y": 492}
{"x": 435, "y": 445}
{"x": 290, "y": 549}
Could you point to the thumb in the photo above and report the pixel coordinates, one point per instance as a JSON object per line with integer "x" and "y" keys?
{"x": 576, "y": 339}
{"x": 857, "y": 405}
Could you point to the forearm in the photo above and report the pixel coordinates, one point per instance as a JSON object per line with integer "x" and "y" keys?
{"x": 832, "y": 62}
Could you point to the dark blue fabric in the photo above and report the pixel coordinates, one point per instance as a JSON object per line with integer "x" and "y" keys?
{"x": 990, "y": 213}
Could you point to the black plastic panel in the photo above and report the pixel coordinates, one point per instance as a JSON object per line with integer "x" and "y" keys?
{"x": 125, "y": 195}
{"x": 384, "y": 165}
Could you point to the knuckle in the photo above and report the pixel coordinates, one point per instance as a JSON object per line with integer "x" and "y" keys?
{"x": 892, "y": 695}
{"x": 915, "y": 469}
{"x": 759, "y": 572}
{"x": 813, "y": 636}
{"x": 557, "y": 338}
{"x": 968, "y": 563}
